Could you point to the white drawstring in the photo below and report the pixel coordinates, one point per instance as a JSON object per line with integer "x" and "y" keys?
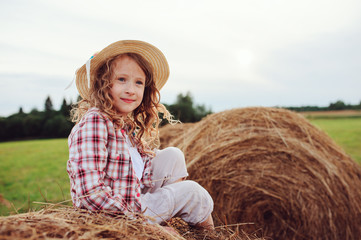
{"x": 87, "y": 66}
{"x": 71, "y": 83}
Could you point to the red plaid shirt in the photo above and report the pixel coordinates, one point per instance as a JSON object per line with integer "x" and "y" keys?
{"x": 100, "y": 168}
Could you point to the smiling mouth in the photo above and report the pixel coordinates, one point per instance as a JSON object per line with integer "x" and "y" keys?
{"x": 127, "y": 100}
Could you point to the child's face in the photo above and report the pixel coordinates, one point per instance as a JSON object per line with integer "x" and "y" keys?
{"x": 128, "y": 85}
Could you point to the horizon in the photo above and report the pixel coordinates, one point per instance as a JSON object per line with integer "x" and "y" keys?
{"x": 57, "y": 108}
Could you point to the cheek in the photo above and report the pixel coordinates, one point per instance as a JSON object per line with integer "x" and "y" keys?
{"x": 141, "y": 93}
{"x": 142, "y": 97}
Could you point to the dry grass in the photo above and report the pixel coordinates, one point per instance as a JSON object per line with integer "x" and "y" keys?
{"x": 272, "y": 170}
{"x": 338, "y": 113}
{"x": 68, "y": 223}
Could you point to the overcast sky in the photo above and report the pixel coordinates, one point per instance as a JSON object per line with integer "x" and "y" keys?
{"x": 228, "y": 54}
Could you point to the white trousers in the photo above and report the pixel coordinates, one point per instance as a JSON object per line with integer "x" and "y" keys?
{"x": 186, "y": 199}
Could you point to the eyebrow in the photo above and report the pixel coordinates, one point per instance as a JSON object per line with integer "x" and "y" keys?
{"x": 117, "y": 75}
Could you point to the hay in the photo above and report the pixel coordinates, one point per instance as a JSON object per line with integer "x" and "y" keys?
{"x": 272, "y": 169}
{"x": 68, "y": 223}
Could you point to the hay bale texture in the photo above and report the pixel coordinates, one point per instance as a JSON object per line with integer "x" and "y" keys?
{"x": 271, "y": 169}
{"x": 64, "y": 222}
{"x": 68, "y": 223}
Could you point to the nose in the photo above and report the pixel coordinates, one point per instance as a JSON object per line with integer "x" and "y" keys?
{"x": 130, "y": 88}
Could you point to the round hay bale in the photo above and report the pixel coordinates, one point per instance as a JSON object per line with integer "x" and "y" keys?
{"x": 170, "y": 132}
{"x": 273, "y": 169}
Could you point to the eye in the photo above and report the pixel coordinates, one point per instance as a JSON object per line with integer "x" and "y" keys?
{"x": 139, "y": 82}
{"x": 121, "y": 79}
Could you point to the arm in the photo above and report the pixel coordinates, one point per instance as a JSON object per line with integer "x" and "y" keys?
{"x": 88, "y": 158}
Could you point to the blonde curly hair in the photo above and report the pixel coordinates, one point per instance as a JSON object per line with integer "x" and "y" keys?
{"x": 143, "y": 121}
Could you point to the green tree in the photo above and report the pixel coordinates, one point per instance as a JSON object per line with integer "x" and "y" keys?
{"x": 182, "y": 109}
{"x": 15, "y": 126}
{"x": 185, "y": 111}
{"x": 339, "y": 105}
{"x": 65, "y": 109}
{"x": 34, "y": 111}
{"x": 32, "y": 125}
{"x": 201, "y": 111}
{"x": 49, "y": 111}
{"x": 57, "y": 126}
{"x": 48, "y": 105}
{"x": 3, "y": 129}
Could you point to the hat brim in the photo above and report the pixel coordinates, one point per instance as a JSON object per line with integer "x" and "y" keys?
{"x": 149, "y": 52}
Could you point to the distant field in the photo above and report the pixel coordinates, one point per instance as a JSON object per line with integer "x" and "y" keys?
{"x": 333, "y": 114}
{"x": 36, "y": 170}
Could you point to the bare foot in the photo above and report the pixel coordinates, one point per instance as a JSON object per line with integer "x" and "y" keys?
{"x": 207, "y": 224}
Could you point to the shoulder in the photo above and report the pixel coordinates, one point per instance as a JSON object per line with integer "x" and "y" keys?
{"x": 93, "y": 122}
{"x": 95, "y": 116}
{"x": 93, "y": 113}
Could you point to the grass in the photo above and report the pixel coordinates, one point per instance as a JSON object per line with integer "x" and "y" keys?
{"x": 35, "y": 171}
{"x": 345, "y": 131}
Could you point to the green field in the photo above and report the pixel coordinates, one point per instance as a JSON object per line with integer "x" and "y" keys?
{"x": 346, "y": 132}
{"x": 35, "y": 171}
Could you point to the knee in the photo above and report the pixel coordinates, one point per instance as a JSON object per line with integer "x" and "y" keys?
{"x": 193, "y": 193}
{"x": 174, "y": 151}
{"x": 174, "y": 155}
{"x": 198, "y": 192}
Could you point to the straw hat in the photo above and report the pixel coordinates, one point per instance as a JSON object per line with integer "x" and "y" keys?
{"x": 149, "y": 52}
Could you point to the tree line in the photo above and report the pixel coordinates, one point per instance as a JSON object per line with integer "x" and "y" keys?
{"x": 52, "y": 123}
{"x": 338, "y": 105}
{"x": 49, "y": 123}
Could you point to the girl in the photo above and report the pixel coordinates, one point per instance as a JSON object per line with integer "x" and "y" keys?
{"x": 113, "y": 164}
